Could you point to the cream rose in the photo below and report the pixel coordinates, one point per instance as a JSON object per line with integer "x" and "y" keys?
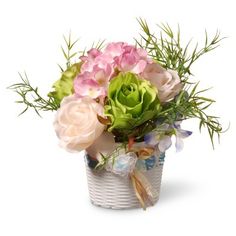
{"x": 76, "y": 123}
{"x": 167, "y": 82}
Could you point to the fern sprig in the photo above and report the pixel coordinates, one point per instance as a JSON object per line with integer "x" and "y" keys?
{"x": 167, "y": 49}
{"x": 68, "y": 50}
{"x": 31, "y": 98}
{"x": 192, "y": 104}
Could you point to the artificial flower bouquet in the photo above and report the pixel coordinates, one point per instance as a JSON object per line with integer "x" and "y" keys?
{"x": 122, "y": 104}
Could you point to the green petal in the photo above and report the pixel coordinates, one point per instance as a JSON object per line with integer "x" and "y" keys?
{"x": 64, "y": 86}
{"x": 132, "y": 101}
{"x": 124, "y": 121}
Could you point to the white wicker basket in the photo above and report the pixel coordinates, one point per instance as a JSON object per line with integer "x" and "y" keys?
{"x": 112, "y": 191}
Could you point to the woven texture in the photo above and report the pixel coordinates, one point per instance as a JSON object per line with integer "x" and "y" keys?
{"x": 112, "y": 191}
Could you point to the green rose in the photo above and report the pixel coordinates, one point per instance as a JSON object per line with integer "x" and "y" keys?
{"x": 131, "y": 101}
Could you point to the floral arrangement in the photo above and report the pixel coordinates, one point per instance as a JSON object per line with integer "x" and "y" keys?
{"x": 123, "y": 103}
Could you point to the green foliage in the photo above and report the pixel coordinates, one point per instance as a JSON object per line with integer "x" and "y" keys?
{"x": 64, "y": 86}
{"x": 98, "y": 45}
{"x": 61, "y": 88}
{"x": 135, "y": 117}
{"x": 102, "y": 162}
{"x": 31, "y": 98}
{"x": 192, "y": 105}
{"x": 166, "y": 48}
{"x": 68, "y": 51}
{"x": 111, "y": 156}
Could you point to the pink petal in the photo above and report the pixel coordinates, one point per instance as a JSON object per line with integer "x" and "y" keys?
{"x": 93, "y": 53}
{"x": 139, "y": 67}
{"x": 114, "y": 49}
{"x": 142, "y": 53}
{"x": 88, "y": 87}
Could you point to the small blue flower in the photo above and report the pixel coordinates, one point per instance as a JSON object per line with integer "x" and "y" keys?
{"x": 162, "y": 136}
{"x": 151, "y": 138}
{"x": 180, "y": 134}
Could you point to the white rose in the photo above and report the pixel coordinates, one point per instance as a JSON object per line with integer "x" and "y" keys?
{"x": 76, "y": 123}
{"x": 167, "y": 82}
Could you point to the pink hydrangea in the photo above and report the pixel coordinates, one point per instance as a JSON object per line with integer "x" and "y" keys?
{"x": 96, "y": 59}
{"x": 100, "y": 67}
{"x": 128, "y": 58}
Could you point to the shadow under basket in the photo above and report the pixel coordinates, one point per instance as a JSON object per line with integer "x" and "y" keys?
{"x": 112, "y": 191}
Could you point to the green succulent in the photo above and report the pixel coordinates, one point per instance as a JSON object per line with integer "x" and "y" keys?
{"x": 64, "y": 86}
{"x": 131, "y": 102}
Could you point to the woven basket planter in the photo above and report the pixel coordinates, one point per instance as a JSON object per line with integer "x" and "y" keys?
{"x": 108, "y": 190}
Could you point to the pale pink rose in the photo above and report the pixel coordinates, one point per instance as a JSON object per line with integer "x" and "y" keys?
{"x": 167, "y": 82}
{"x": 76, "y": 123}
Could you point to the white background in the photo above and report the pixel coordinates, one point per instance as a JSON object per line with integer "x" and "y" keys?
{"x": 43, "y": 189}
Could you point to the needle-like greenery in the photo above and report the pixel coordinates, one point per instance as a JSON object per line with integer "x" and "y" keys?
{"x": 111, "y": 156}
{"x": 30, "y": 95}
{"x": 192, "y": 105}
{"x": 99, "y": 44}
{"x": 31, "y": 98}
{"x": 68, "y": 50}
{"x": 167, "y": 49}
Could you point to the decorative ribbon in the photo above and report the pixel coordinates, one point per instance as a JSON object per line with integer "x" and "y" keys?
{"x": 147, "y": 158}
{"x": 142, "y": 187}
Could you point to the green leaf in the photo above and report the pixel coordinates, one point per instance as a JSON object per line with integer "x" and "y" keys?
{"x": 31, "y": 98}
{"x": 64, "y": 86}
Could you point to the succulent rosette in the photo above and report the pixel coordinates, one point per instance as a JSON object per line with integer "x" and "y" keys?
{"x": 131, "y": 101}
